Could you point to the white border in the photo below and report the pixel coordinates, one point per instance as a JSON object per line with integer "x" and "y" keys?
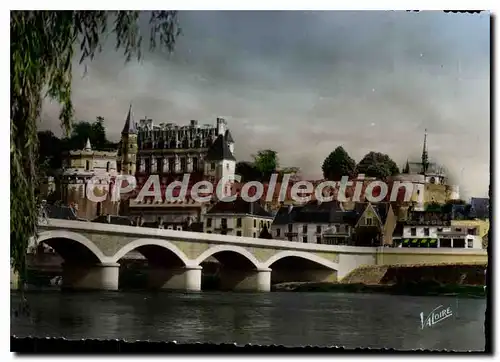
{"x": 190, "y": 5}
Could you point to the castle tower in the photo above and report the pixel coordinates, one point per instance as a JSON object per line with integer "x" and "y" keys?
{"x": 128, "y": 145}
{"x": 221, "y": 126}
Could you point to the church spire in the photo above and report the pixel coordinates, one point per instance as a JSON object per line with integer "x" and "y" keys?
{"x": 406, "y": 168}
{"x": 425, "y": 156}
{"x": 129, "y": 126}
{"x": 88, "y": 147}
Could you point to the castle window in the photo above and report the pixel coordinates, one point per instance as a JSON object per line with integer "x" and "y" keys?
{"x": 98, "y": 209}
{"x": 107, "y": 166}
{"x": 87, "y": 165}
{"x": 227, "y": 166}
{"x": 212, "y": 166}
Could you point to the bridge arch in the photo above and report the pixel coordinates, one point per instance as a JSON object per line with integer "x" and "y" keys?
{"x": 299, "y": 266}
{"x": 141, "y": 243}
{"x": 228, "y": 249}
{"x": 52, "y": 238}
{"x": 301, "y": 255}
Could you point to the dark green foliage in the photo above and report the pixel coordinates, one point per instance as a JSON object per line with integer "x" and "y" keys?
{"x": 265, "y": 234}
{"x": 52, "y": 149}
{"x": 376, "y": 164}
{"x": 266, "y": 162}
{"x": 42, "y": 50}
{"x": 248, "y": 171}
{"x": 338, "y": 164}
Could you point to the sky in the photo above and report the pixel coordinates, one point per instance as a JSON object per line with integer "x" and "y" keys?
{"x": 303, "y": 83}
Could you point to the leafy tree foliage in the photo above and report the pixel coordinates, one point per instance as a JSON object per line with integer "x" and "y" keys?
{"x": 265, "y": 234}
{"x": 42, "y": 50}
{"x": 266, "y": 162}
{"x": 338, "y": 164}
{"x": 376, "y": 164}
{"x": 52, "y": 149}
{"x": 264, "y": 165}
{"x": 248, "y": 171}
{"x": 95, "y": 132}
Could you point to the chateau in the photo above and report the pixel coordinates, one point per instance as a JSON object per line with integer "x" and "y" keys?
{"x": 170, "y": 151}
{"x": 81, "y": 166}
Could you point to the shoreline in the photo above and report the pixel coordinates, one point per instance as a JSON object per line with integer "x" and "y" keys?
{"x": 410, "y": 289}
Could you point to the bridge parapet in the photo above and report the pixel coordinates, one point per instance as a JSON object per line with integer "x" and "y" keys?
{"x": 176, "y": 256}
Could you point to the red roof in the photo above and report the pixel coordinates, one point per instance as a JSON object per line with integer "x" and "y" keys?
{"x": 237, "y": 187}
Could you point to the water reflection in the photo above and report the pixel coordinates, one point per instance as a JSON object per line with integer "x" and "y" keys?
{"x": 290, "y": 319}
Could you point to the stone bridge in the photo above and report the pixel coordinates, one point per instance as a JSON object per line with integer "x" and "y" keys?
{"x": 92, "y": 254}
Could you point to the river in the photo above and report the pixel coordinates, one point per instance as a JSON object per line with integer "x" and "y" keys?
{"x": 289, "y": 319}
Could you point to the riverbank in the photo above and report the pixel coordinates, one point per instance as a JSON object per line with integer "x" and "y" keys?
{"x": 461, "y": 280}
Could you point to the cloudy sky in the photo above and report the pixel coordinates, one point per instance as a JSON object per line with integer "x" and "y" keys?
{"x": 303, "y": 83}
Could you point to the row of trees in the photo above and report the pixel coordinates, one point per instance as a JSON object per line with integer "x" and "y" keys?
{"x": 51, "y": 148}
{"x": 373, "y": 164}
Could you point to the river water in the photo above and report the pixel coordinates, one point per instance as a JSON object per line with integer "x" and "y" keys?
{"x": 289, "y": 319}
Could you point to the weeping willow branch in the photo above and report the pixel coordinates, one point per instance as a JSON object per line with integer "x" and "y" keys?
{"x": 42, "y": 51}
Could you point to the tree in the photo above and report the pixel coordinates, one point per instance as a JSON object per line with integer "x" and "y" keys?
{"x": 266, "y": 162}
{"x": 378, "y": 165}
{"x": 50, "y": 150}
{"x": 294, "y": 173}
{"x": 265, "y": 234}
{"x": 248, "y": 171}
{"x": 42, "y": 50}
{"x": 83, "y": 130}
{"x": 338, "y": 164}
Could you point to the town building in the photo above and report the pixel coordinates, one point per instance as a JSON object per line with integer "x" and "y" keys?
{"x": 482, "y": 225}
{"x": 429, "y": 179}
{"x": 170, "y": 151}
{"x": 238, "y": 217}
{"x": 480, "y": 207}
{"x": 436, "y": 229}
{"x": 81, "y": 167}
{"x": 365, "y": 224}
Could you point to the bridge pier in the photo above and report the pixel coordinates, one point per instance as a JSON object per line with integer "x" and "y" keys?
{"x": 91, "y": 277}
{"x": 257, "y": 280}
{"x": 185, "y": 278}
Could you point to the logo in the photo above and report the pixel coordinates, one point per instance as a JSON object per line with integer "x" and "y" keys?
{"x": 439, "y": 314}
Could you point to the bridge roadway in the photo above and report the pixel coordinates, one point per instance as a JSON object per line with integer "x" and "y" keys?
{"x": 92, "y": 251}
